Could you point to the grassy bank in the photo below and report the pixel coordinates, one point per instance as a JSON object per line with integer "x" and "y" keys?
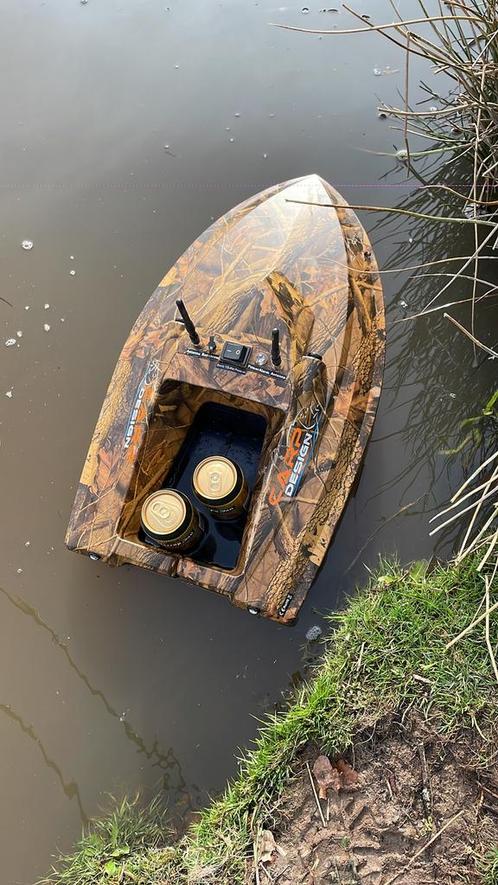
{"x": 388, "y": 650}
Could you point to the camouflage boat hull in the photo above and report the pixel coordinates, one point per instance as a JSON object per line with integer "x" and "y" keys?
{"x": 273, "y": 261}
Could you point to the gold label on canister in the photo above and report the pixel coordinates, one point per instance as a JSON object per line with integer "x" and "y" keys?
{"x": 163, "y": 512}
{"x": 215, "y": 478}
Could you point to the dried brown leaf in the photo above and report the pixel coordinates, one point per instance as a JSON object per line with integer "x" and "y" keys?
{"x": 326, "y": 776}
{"x": 348, "y": 774}
{"x": 266, "y": 846}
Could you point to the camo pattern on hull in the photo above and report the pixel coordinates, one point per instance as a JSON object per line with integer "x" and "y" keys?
{"x": 273, "y": 261}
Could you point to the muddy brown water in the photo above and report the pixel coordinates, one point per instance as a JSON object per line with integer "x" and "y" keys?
{"x": 113, "y": 680}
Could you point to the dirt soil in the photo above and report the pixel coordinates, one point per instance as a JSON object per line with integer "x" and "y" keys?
{"x": 411, "y": 788}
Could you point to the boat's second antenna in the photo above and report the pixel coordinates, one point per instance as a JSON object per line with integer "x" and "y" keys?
{"x": 275, "y": 347}
{"x": 187, "y": 322}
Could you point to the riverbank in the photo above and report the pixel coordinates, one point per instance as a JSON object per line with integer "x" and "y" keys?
{"x": 387, "y": 685}
{"x": 407, "y": 805}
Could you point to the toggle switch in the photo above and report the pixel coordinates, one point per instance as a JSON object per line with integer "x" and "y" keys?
{"x": 235, "y": 354}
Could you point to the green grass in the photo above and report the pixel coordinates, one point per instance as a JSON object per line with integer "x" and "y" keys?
{"x": 387, "y": 651}
{"x": 131, "y": 836}
{"x": 489, "y": 867}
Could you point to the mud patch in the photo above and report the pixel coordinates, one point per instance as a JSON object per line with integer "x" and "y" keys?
{"x": 421, "y": 813}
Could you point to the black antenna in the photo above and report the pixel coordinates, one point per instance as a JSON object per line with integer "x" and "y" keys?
{"x": 189, "y": 326}
{"x": 275, "y": 347}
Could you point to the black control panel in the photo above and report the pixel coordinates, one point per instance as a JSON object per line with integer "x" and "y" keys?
{"x": 234, "y": 354}
{"x": 238, "y": 358}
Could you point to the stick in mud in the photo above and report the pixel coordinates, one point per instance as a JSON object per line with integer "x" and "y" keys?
{"x": 315, "y": 794}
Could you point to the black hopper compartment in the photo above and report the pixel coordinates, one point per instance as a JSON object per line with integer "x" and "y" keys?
{"x": 236, "y": 434}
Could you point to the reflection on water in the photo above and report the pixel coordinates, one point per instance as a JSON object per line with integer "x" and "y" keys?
{"x": 116, "y": 679}
{"x": 427, "y": 347}
{"x": 70, "y": 788}
{"x": 171, "y": 778}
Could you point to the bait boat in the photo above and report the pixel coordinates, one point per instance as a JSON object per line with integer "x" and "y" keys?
{"x": 264, "y": 344}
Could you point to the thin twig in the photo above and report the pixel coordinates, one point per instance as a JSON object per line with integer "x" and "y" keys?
{"x": 426, "y": 783}
{"x": 474, "y": 545}
{"x": 256, "y": 859}
{"x": 493, "y": 292}
{"x": 489, "y": 494}
{"x": 446, "y": 219}
{"x": 458, "y": 274}
{"x": 425, "y": 847}
{"x": 473, "y": 475}
{"x": 488, "y": 640}
{"x": 315, "y": 794}
{"x": 466, "y": 332}
{"x": 474, "y": 207}
{"x": 267, "y": 873}
{"x": 360, "y": 658}
{"x": 489, "y": 551}
{"x": 441, "y": 112}
{"x": 451, "y": 190}
{"x": 369, "y": 27}
{"x": 407, "y": 83}
{"x": 457, "y": 503}
{"x": 464, "y": 549}
{"x": 471, "y": 627}
{"x": 281, "y": 873}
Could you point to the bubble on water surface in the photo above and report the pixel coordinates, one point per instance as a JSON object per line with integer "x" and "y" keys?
{"x": 8, "y": 393}
{"x": 231, "y": 140}
{"x": 237, "y": 114}
{"x": 26, "y": 307}
{"x": 46, "y": 306}
{"x": 46, "y": 327}
{"x": 72, "y": 273}
{"x": 19, "y": 571}
{"x": 305, "y": 10}
{"x": 265, "y": 156}
{"x": 385, "y": 71}
{"x": 19, "y": 333}
{"x": 10, "y": 342}
{"x": 27, "y": 543}
{"x": 27, "y": 245}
